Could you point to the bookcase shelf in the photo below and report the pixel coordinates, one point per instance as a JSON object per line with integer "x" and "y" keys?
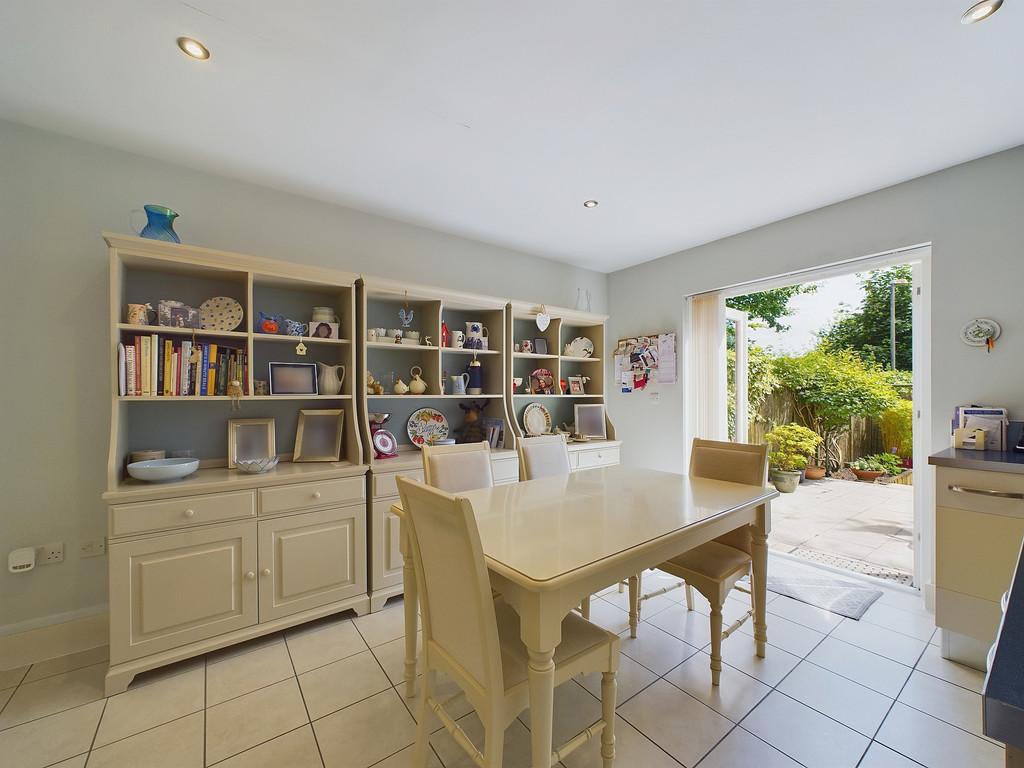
{"x": 170, "y": 330}
{"x": 307, "y": 340}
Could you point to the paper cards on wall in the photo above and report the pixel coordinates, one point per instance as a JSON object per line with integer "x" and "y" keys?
{"x": 641, "y": 360}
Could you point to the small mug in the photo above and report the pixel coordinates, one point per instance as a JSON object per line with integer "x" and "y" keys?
{"x": 371, "y": 335}
{"x": 138, "y": 314}
{"x": 517, "y": 382}
{"x": 457, "y": 339}
{"x": 295, "y": 328}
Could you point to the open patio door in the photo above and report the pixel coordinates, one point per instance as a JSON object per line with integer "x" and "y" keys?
{"x": 740, "y": 415}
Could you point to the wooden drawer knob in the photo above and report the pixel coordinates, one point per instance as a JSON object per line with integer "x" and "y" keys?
{"x": 316, "y": 494}
{"x": 250, "y": 575}
{"x": 190, "y": 513}
{"x": 266, "y": 571}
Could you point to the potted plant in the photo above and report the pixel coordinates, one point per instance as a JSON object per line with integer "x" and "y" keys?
{"x": 814, "y": 472}
{"x": 872, "y": 467}
{"x": 791, "y": 445}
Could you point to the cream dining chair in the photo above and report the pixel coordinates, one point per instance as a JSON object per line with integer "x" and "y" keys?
{"x": 456, "y": 468}
{"x": 475, "y": 641}
{"x": 714, "y": 568}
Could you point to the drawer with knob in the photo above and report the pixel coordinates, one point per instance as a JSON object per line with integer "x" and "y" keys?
{"x": 600, "y": 457}
{"x": 143, "y": 517}
{"x": 286, "y": 498}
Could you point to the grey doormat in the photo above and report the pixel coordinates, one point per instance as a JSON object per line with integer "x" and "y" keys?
{"x": 820, "y": 588}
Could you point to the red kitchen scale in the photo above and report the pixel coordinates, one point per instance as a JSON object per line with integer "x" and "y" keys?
{"x": 385, "y": 445}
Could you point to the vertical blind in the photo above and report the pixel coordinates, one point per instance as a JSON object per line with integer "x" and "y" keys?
{"x": 708, "y": 393}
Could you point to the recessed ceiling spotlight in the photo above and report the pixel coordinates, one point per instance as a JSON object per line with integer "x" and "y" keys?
{"x": 590, "y": 203}
{"x": 980, "y": 11}
{"x": 193, "y": 48}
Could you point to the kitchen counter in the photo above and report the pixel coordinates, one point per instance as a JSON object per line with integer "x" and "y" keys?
{"x": 1004, "y": 686}
{"x": 986, "y": 461}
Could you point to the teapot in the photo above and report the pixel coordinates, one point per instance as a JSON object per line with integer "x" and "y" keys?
{"x": 330, "y": 378}
{"x": 400, "y": 388}
{"x": 269, "y": 323}
{"x": 417, "y": 385}
{"x": 459, "y": 383}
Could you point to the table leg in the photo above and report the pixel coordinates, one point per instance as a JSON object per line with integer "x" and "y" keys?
{"x": 410, "y": 600}
{"x": 634, "y": 604}
{"x": 759, "y": 586}
{"x": 542, "y": 706}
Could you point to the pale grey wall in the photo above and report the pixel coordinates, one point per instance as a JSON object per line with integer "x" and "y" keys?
{"x": 972, "y": 213}
{"x": 56, "y": 195}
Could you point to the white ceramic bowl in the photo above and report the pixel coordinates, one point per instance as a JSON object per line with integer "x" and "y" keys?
{"x": 160, "y": 470}
{"x": 256, "y": 466}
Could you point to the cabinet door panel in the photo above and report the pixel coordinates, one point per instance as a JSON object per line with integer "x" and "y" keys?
{"x": 176, "y": 589}
{"x": 311, "y": 560}
{"x": 975, "y": 553}
{"x": 386, "y": 551}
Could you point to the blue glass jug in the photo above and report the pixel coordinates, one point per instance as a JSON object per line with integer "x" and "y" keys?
{"x": 160, "y": 224}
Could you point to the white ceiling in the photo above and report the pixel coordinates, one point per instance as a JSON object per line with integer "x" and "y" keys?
{"x": 687, "y": 119}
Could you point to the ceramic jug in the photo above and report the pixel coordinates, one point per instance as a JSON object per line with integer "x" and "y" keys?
{"x": 475, "y": 380}
{"x": 269, "y": 323}
{"x": 476, "y": 332}
{"x": 456, "y": 339}
{"x": 295, "y": 328}
{"x": 329, "y": 378}
{"x": 417, "y": 386}
{"x": 459, "y": 383}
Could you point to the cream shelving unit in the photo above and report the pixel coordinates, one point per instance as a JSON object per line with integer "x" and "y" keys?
{"x": 379, "y": 304}
{"x": 565, "y": 325}
{"x": 221, "y": 556}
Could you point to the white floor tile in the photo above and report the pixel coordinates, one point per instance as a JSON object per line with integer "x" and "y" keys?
{"x": 67, "y": 663}
{"x": 788, "y": 635}
{"x": 54, "y": 694}
{"x": 178, "y": 744}
{"x": 51, "y": 739}
{"x": 631, "y": 678}
{"x": 334, "y": 686}
{"x": 606, "y": 615}
{"x": 383, "y": 626}
{"x": 851, "y": 704}
{"x": 231, "y": 676}
{"x": 72, "y": 762}
{"x": 295, "y": 749}
{"x": 391, "y": 656}
{"x": 648, "y": 607}
{"x": 403, "y": 759}
{"x": 933, "y": 664}
{"x": 12, "y": 677}
{"x": 575, "y": 709}
{"x": 934, "y": 743}
{"x": 907, "y": 601}
{"x": 879, "y": 756}
{"x": 314, "y": 645}
{"x": 741, "y": 748}
{"x": 146, "y": 706}
{"x": 950, "y": 703}
{"x": 877, "y": 673}
{"x": 632, "y": 748}
{"x": 657, "y": 650}
{"x": 516, "y": 752}
{"x": 740, "y": 652}
{"x": 241, "y": 723}
{"x": 365, "y": 733}
{"x": 802, "y": 613}
{"x": 884, "y": 642}
{"x": 675, "y": 721}
{"x": 737, "y": 694}
{"x": 805, "y": 735}
{"x": 692, "y": 627}
{"x": 5, "y": 697}
{"x": 920, "y": 626}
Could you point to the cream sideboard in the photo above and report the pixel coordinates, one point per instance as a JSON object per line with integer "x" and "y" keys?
{"x": 223, "y": 557}
{"x": 979, "y": 519}
{"x": 385, "y": 551}
{"x": 595, "y": 453}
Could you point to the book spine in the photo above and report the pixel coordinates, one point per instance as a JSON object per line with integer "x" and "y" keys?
{"x": 146, "y": 386}
{"x": 211, "y": 376}
{"x": 186, "y": 352}
{"x": 154, "y": 364}
{"x": 204, "y": 371}
{"x": 129, "y": 366}
{"x": 122, "y": 365}
{"x": 222, "y": 373}
{"x": 138, "y": 367}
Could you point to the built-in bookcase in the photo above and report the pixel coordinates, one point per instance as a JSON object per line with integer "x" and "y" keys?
{"x": 147, "y": 271}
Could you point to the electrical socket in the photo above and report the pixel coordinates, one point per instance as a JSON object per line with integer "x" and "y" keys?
{"x": 51, "y": 553}
{"x": 93, "y": 548}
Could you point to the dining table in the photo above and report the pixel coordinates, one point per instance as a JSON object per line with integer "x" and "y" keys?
{"x": 550, "y": 543}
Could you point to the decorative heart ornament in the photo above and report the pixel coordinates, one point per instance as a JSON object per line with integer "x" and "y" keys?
{"x": 543, "y": 319}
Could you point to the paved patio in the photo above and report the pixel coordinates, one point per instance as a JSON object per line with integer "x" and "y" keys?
{"x": 862, "y": 527}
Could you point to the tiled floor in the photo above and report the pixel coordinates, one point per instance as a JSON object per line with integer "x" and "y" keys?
{"x": 831, "y": 693}
{"x": 869, "y": 524}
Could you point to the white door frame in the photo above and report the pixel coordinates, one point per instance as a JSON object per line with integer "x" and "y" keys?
{"x": 919, "y": 257}
{"x": 740, "y": 415}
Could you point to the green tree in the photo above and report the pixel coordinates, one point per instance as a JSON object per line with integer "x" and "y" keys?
{"x": 865, "y": 330}
{"x": 761, "y": 382}
{"x": 770, "y": 306}
{"x": 829, "y": 387}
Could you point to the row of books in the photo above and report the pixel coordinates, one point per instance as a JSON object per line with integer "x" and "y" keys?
{"x": 155, "y": 366}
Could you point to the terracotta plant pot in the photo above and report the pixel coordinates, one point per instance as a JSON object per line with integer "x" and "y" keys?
{"x": 785, "y": 481}
{"x": 815, "y": 473}
{"x": 868, "y": 475}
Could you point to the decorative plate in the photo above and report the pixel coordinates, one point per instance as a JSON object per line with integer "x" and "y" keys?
{"x": 581, "y": 346}
{"x": 384, "y": 443}
{"x": 536, "y": 420}
{"x": 221, "y": 313}
{"x": 426, "y": 426}
{"x": 979, "y": 331}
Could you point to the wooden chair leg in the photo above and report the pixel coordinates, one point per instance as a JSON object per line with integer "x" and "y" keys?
{"x": 419, "y": 753}
{"x": 689, "y": 597}
{"x": 622, "y": 587}
{"x": 608, "y": 692}
{"x": 639, "y": 592}
{"x": 494, "y": 743}
{"x": 634, "y": 604}
{"x": 716, "y": 643}
{"x": 585, "y": 608}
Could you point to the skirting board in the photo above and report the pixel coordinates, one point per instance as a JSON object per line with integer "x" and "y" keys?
{"x": 54, "y": 640}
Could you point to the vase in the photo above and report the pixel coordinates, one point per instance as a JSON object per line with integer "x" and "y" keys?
{"x": 329, "y": 381}
{"x": 160, "y": 224}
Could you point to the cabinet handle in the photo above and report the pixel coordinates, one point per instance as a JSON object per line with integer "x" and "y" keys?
{"x": 316, "y": 494}
{"x": 250, "y": 575}
{"x": 987, "y": 492}
{"x": 190, "y": 513}
{"x": 266, "y": 571}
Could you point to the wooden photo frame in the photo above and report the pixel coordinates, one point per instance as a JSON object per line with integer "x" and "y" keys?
{"x": 590, "y": 421}
{"x": 318, "y": 435}
{"x": 540, "y": 346}
{"x": 293, "y": 379}
{"x": 251, "y": 439}
{"x": 577, "y": 385}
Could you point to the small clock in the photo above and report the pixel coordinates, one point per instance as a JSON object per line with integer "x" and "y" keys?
{"x": 385, "y": 444}
{"x": 977, "y": 332}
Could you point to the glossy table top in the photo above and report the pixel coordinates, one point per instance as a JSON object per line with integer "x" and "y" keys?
{"x": 546, "y": 528}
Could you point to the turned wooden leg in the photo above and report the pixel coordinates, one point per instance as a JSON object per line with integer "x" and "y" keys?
{"x": 608, "y": 691}
{"x": 716, "y": 643}
{"x": 585, "y": 608}
{"x": 634, "y": 604}
{"x": 689, "y": 597}
{"x": 541, "y": 681}
{"x": 759, "y": 588}
{"x": 411, "y": 599}
{"x": 419, "y": 753}
{"x": 494, "y": 742}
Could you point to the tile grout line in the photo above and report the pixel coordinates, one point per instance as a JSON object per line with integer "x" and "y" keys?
{"x": 206, "y": 683}
{"x": 302, "y": 695}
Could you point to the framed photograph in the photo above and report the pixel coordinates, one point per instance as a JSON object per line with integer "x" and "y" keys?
{"x": 321, "y": 330}
{"x": 540, "y": 346}
{"x": 576, "y": 385}
{"x": 590, "y": 421}
{"x": 318, "y": 436}
{"x": 175, "y": 314}
{"x": 527, "y": 346}
{"x": 250, "y": 439}
{"x": 293, "y": 379}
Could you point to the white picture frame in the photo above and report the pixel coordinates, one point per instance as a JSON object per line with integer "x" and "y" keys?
{"x": 318, "y": 435}
{"x": 251, "y": 439}
{"x": 590, "y": 420}
{"x": 293, "y": 379}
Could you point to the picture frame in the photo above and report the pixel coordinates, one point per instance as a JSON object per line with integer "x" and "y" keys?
{"x": 251, "y": 439}
{"x": 590, "y": 421}
{"x": 318, "y": 435}
{"x": 540, "y": 346}
{"x": 322, "y": 330}
{"x": 293, "y": 379}
{"x": 577, "y": 385}
{"x": 527, "y": 346}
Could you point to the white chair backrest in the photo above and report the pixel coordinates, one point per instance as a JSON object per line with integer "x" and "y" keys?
{"x": 454, "y": 588}
{"x": 733, "y": 462}
{"x": 457, "y": 468}
{"x": 543, "y": 456}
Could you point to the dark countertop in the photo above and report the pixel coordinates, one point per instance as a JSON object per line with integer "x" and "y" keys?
{"x": 1003, "y": 702}
{"x": 989, "y": 461}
